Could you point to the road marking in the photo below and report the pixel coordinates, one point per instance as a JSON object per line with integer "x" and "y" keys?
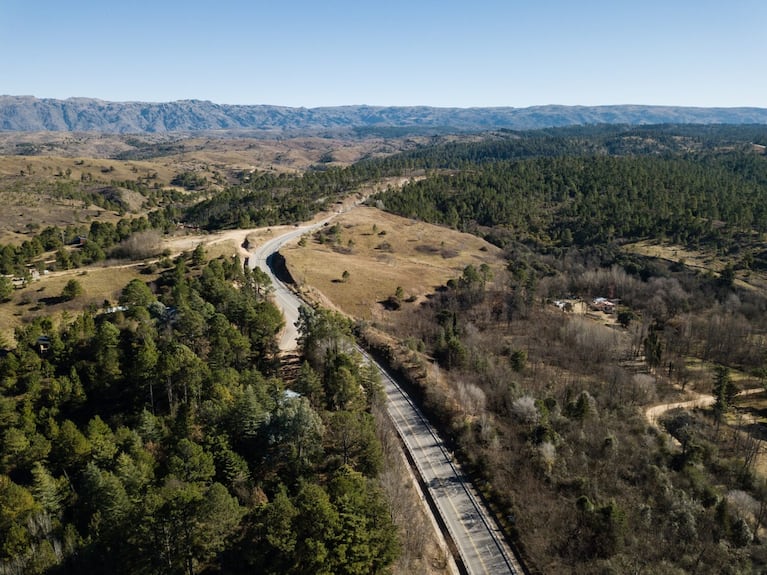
{"x": 444, "y": 458}
{"x": 412, "y": 417}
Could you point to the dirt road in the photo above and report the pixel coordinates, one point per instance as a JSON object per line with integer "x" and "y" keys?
{"x": 699, "y": 400}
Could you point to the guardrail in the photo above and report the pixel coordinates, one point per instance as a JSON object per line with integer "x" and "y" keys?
{"x": 489, "y": 524}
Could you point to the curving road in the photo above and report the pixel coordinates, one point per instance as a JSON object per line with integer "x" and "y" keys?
{"x": 285, "y": 299}
{"x": 701, "y": 400}
{"x": 480, "y": 546}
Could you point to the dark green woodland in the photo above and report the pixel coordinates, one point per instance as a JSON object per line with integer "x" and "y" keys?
{"x": 160, "y": 436}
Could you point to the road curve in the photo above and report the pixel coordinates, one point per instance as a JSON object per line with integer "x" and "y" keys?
{"x": 285, "y": 299}
{"x": 701, "y": 400}
{"x": 480, "y": 545}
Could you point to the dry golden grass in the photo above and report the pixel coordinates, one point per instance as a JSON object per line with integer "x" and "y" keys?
{"x": 701, "y": 260}
{"x": 698, "y": 259}
{"x": 283, "y": 155}
{"x": 21, "y": 211}
{"x": 280, "y": 156}
{"x": 27, "y": 185}
{"x": 39, "y": 298}
{"x": 52, "y": 167}
{"x": 226, "y": 249}
{"x": 419, "y": 258}
{"x": 26, "y": 181}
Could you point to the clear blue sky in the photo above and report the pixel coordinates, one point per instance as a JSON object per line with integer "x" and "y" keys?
{"x": 399, "y": 52}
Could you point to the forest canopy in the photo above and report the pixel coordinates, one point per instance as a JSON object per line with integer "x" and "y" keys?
{"x": 161, "y": 435}
{"x": 159, "y": 439}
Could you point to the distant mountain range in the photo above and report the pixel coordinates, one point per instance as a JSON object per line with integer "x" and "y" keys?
{"x": 30, "y": 114}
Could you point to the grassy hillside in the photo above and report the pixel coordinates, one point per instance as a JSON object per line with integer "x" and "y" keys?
{"x": 548, "y": 296}
{"x": 381, "y": 252}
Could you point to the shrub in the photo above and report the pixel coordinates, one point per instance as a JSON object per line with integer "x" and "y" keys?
{"x": 71, "y": 290}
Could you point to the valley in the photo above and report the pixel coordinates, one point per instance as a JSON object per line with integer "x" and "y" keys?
{"x": 545, "y": 299}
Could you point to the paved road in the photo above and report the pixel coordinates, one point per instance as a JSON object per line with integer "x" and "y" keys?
{"x": 481, "y": 548}
{"x": 284, "y": 298}
{"x": 480, "y": 544}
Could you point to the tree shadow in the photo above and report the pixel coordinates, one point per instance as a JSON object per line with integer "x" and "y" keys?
{"x": 391, "y": 303}
{"x": 52, "y": 300}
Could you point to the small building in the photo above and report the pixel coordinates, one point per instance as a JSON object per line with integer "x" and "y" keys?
{"x": 602, "y": 304}
{"x": 34, "y": 273}
{"x": 43, "y": 344}
{"x": 115, "y": 308}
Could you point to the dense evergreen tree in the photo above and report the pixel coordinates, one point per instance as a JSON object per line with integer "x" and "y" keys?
{"x": 148, "y": 441}
{"x": 159, "y": 439}
{"x": 594, "y": 199}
